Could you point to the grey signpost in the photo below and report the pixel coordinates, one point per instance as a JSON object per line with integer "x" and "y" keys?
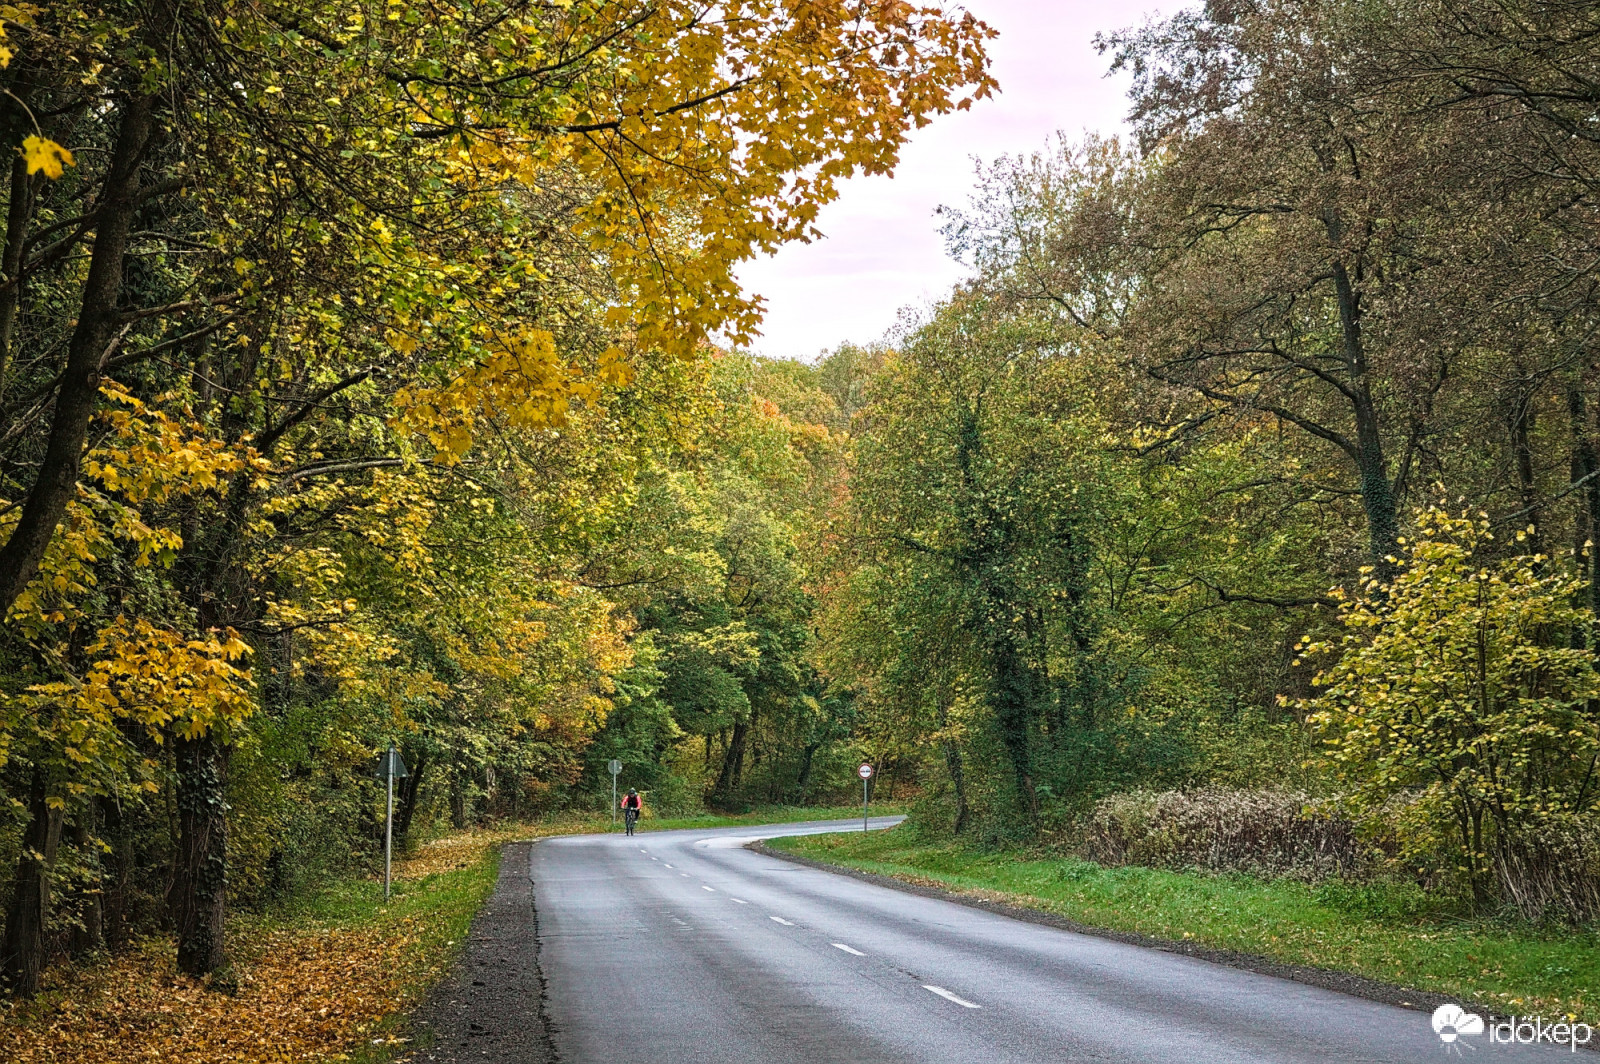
{"x": 616, "y": 770}
{"x": 390, "y": 768}
{"x": 865, "y": 772}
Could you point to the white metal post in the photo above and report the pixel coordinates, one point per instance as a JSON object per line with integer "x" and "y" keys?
{"x": 388, "y": 823}
{"x": 864, "y": 803}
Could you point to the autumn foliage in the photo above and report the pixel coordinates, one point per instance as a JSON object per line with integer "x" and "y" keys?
{"x": 341, "y": 347}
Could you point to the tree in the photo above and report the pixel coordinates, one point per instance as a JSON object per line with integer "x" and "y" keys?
{"x": 333, "y": 253}
{"x": 1455, "y": 688}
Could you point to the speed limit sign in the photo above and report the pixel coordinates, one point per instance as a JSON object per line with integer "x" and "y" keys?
{"x": 865, "y": 772}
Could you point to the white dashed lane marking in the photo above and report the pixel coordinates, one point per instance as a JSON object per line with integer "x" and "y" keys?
{"x": 782, "y": 921}
{"x": 711, "y": 889}
{"x": 942, "y": 992}
{"x": 848, "y": 949}
{"x": 741, "y": 901}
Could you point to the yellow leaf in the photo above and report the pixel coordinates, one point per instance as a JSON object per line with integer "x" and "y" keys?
{"x": 45, "y": 154}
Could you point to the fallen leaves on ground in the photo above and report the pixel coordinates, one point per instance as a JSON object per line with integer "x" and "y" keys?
{"x": 304, "y": 996}
{"x": 459, "y": 849}
{"x": 305, "y": 993}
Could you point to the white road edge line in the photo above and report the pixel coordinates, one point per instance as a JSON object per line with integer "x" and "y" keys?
{"x": 782, "y": 921}
{"x": 942, "y": 992}
{"x": 741, "y": 901}
{"x": 848, "y": 949}
{"x": 711, "y": 889}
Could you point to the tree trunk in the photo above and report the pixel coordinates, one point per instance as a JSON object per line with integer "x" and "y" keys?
{"x": 1377, "y": 490}
{"x": 92, "y": 341}
{"x": 1521, "y": 429}
{"x": 803, "y": 781}
{"x": 19, "y": 213}
{"x": 745, "y": 740}
{"x": 410, "y": 788}
{"x": 458, "y": 799}
{"x": 1011, "y": 698}
{"x": 958, "y": 780}
{"x": 22, "y": 954}
{"x": 1586, "y": 471}
{"x": 952, "y": 762}
{"x": 89, "y": 935}
{"x": 732, "y": 763}
{"x": 198, "y": 901}
{"x": 120, "y": 836}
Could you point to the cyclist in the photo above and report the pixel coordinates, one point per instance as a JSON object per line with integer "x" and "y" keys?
{"x": 631, "y": 804}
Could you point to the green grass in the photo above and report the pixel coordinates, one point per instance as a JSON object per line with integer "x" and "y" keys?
{"x": 1391, "y": 934}
{"x": 448, "y": 899}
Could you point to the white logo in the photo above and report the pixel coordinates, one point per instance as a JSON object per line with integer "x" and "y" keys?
{"x": 1452, "y": 1021}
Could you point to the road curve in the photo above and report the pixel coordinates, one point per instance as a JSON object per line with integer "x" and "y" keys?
{"x": 682, "y": 947}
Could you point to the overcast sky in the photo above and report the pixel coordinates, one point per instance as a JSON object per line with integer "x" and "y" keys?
{"x": 882, "y": 250}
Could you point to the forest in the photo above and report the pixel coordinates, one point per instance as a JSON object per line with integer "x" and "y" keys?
{"x": 374, "y": 373}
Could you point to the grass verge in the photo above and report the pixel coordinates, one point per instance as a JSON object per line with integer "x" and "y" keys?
{"x": 1515, "y": 969}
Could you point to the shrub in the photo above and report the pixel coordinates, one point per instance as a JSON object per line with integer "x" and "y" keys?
{"x": 1259, "y": 832}
{"x": 1553, "y": 873}
{"x": 1461, "y": 684}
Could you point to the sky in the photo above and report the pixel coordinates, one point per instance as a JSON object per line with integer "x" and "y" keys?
{"x": 882, "y": 249}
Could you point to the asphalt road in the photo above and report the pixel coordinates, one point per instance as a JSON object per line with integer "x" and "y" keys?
{"x": 685, "y": 948}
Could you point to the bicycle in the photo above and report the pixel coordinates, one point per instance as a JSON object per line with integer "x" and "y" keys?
{"x": 630, "y": 817}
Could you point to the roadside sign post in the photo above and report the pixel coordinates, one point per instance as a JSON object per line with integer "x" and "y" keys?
{"x": 390, "y": 768}
{"x": 865, "y": 772}
{"x": 616, "y": 770}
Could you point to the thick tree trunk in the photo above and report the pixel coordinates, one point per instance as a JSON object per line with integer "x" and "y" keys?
{"x": 802, "y": 783}
{"x": 198, "y": 901}
{"x": 732, "y": 763}
{"x": 89, "y": 934}
{"x": 1372, "y": 465}
{"x": 78, "y": 394}
{"x": 22, "y": 953}
{"x": 120, "y": 837}
{"x": 1012, "y": 698}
